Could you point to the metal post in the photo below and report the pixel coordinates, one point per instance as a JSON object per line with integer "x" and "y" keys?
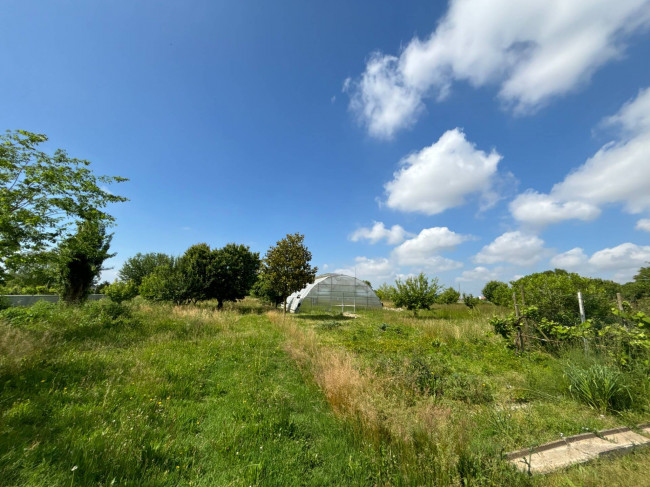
{"x": 582, "y": 308}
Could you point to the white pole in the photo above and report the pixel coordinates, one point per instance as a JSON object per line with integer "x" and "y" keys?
{"x": 582, "y": 308}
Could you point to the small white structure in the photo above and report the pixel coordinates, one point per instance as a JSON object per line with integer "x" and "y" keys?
{"x": 334, "y": 292}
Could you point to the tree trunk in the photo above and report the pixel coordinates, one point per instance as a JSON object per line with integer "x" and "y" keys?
{"x": 219, "y": 303}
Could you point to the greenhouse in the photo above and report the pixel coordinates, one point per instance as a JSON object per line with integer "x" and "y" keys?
{"x": 334, "y": 292}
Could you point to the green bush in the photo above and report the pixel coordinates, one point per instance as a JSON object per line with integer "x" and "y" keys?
{"x": 555, "y": 294}
{"x": 470, "y": 301}
{"x": 498, "y": 293}
{"x": 599, "y": 386}
{"x": 121, "y": 291}
{"x": 416, "y": 292}
{"x": 448, "y": 296}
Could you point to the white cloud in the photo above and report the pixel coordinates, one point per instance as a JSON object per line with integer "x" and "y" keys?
{"x": 534, "y": 50}
{"x": 513, "y": 247}
{"x": 542, "y": 209}
{"x": 393, "y": 235}
{"x": 643, "y": 224}
{"x": 619, "y": 263}
{"x": 573, "y": 259}
{"x": 627, "y": 256}
{"x": 480, "y": 274}
{"x": 442, "y": 175}
{"x": 618, "y": 173}
{"x": 381, "y": 100}
{"x": 374, "y": 270}
{"x": 423, "y": 250}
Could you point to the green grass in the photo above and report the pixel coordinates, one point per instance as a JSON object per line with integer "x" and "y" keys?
{"x": 157, "y": 397}
{"x": 137, "y": 394}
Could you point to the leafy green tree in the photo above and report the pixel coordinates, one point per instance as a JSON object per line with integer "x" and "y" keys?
{"x": 41, "y": 194}
{"x": 166, "y": 283}
{"x": 416, "y": 292}
{"x": 232, "y": 273}
{"x": 39, "y": 271}
{"x": 195, "y": 267}
{"x": 81, "y": 257}
{"x": 639, "y": 288}
{"x": 263, "y": 290}
{"x": 554, "y": 293}
{"x": 286, "y": 267}
{"x": 448, "y": 296}
{"x": 497, "y": 292}
{"x": 385, "y": 292}
{"x": 138, "y": 267}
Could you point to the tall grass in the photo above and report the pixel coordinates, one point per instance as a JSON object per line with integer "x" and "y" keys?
{"x": 600, "y": 386}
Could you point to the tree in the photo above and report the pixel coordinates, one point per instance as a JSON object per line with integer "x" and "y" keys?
{"x": 263, "y": 289}
{"x": 385, "y": 292}
{"x": 166, "y": 283}
{"x": 232, "y": 272}
{"x": 41, "y": 195}
{"x": 497, "y": 292}
{"x": 136, "y": 268}
{"x": 38, "y": 274}
{"x": 554, "y": 293}
{"x": 195, "y": 267}
{"x": 286, "y": 267}
{"x": 80, "y": 259}
{"x": 416, "y": 293}
{"x": 448, "y": 296}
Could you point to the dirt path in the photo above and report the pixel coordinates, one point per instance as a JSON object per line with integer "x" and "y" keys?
{"x": 579, "y": 449}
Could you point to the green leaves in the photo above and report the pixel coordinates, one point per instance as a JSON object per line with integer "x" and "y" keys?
{"x": 286, "y": 267}
{"x": 41, "y": 195}
{"x": 416, "y": 292}
{"x": 80, "y": 259}
{"x": 225, "y": 274}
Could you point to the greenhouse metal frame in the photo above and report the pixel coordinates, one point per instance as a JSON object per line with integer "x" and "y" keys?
{"x": 334, "y": 292}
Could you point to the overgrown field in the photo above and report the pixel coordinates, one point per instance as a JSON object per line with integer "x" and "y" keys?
{"x": 135, "y": 394}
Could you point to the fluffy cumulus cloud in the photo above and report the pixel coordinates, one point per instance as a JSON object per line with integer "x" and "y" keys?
{"x": 424, "y": 249}
{"x": 442, "y": 176}
{"x": 619, "y": 173}
{"x": 393, "y": 235}
{"x": 512, "y": 247}
{"x": 543, "y": 209}
{"x": 533, "y": 50}
{"x": 573, "y": 259}
{"x": 620, "y": 263}
{"x": 480, "y": 274}
{"x": 374, "y": 270}
{"x": 643, "y": 224}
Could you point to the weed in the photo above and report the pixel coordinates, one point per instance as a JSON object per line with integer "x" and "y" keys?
{"x": 599, "y": 386}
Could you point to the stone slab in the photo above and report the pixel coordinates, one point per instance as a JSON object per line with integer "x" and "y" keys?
{"x": 578, "y": 449}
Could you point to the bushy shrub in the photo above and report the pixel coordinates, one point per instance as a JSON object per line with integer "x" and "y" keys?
{"x": 121, "y": 291}
{"x": 554, "y": 293}
{"x": 448, "y": 296}
{"x": 385, "y": 292}
{"x": 470, "y": 301}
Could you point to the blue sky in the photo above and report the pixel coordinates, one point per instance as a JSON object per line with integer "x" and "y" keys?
{"x": 471, "y": 140}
